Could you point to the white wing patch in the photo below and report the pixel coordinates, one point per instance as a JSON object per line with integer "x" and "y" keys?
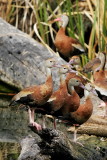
{"x": 51, "y": 99}
{"x": 22, "y": 94}
{"x": 103, "y": 91}
{"x": 79, "y": 47}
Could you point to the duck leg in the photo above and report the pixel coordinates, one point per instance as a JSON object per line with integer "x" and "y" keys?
{"x": 103, "y": 104}
{"x": 75, "y": 133}
{"x": 105, "y": 109}
{"x": 31, "y": 113}
{"x": 54, "y": 122}
{"x": 44, "y": 121}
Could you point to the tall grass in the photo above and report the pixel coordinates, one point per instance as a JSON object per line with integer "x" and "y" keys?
{"x": 25, "y": 13}
{"x": 99, "y": 29}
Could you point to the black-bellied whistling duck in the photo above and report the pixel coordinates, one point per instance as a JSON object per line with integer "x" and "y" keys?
{"x": 72, "y": 101}
{"x": 37, "y": 95}
{"x": 76, "y": 62}
{"x": 99, "y": 70}
{"x": 58, "y": 97}
{"x": 78, "y": 89}
{"x": 91, "y": 65}
{"x": 83, "y": 113}
{"x": 100, "y": 80}
{"x": 67, "y": 46}
{"x": 61, "y": 93}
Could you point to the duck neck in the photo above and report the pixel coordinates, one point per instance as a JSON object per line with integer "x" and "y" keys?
{"x": 62, "y": 79}
{"x": 86, "y": 94}
{"x": 103, "y": 62}
{"x": 49, "y": 77}
{"x": 48, "y": 72}
{"x": 71, "y": 89}
{"x": 64, "y": 24}
{"x": 61, "y": 31}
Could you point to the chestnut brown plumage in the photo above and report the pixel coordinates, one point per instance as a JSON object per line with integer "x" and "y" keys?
{"x": 100, "y": 80}
{"x": 76, "y": 62}
{"x": 57, "y": 99}
{"x": 61, "y": 93}
{"x": 67, "y": 46}
{"x": 37, "y": 95}
{"x": 100, "y": 71}
{"x": 91, "y": 65}
{"x": 72, "y": 100}
{"x": 79, "y": 90}
{"x": 83, "y": 113}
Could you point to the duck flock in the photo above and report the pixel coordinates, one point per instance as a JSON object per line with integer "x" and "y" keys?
{"x": 64, "y": 103}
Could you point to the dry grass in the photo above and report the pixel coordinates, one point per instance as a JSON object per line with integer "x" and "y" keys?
{"x": 25, "y": 13}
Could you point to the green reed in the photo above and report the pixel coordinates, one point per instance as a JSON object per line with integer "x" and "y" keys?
{"x": 24, "y": 14}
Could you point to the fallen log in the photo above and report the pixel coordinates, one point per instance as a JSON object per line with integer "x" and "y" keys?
{"x": 55, "y": 145}
{"x": 96, "y": 125}
{"x": 91, "y": 129}
{"x": 96, "y": 119}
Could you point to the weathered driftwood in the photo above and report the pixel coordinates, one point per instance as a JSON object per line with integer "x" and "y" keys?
{"x": 99, "y": 120}
{"x": 91, "y": 129}
{"x": 55, "y": 145}
{"x": 96, "y": 125}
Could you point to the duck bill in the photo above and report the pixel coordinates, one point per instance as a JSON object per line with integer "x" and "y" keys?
{"x": 70, "y": 65}
{"x": 94, "y": 92}
{"x": 73, "y": 71}
{"x": 57, "y": 19}
{"x": 71, "y": 61}
{"x": 82, "y": 86}
{"x": 57, "y": 65}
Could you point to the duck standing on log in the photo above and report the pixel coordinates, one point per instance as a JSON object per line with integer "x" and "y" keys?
{"x": 67, "y": 46}
{"x": 83, "y": 113}
{"x": 37, "y": 95}
{"x": 58, "y": 97}
{"x": 72, "y": 101}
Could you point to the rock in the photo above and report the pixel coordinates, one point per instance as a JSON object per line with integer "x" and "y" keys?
{"x": 21, "y": 58}
{"x": 30, "y": 149}
{"x": 56, "y": 145}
